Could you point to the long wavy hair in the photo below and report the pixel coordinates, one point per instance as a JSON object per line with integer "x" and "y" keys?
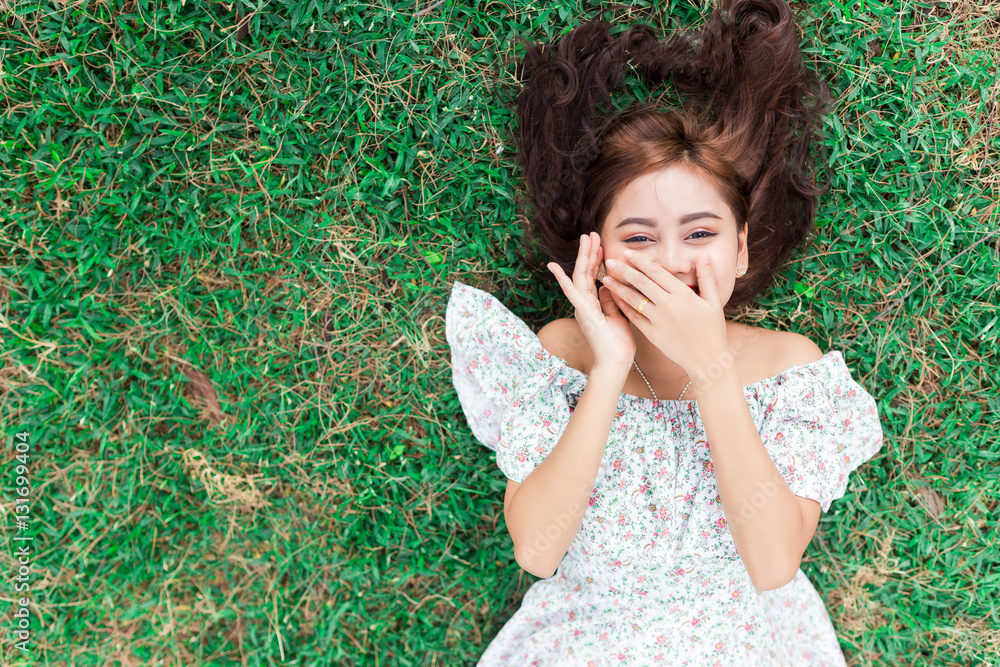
{"x": 747, "y": 126}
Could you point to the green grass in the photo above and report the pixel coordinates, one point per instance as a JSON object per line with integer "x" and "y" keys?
{"x": 278, "y": 221}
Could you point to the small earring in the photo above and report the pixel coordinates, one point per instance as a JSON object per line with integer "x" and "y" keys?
{"x": 740, "y": 270}
{"x": 601, "y": 274}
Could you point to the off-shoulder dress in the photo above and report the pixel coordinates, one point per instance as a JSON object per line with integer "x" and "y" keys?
{"x": 653, "y": 576}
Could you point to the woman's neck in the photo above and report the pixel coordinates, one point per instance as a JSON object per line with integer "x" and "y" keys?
{"x": 654, "y": 364}
{"x": 659, "y": 369}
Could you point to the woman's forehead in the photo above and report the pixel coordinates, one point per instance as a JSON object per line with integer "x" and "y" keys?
{"x": 672, "y": 194}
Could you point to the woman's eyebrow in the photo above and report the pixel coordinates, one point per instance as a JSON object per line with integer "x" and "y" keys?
{"x": 646, "y": 222}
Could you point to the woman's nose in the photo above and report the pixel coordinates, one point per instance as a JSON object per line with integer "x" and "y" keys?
{"x": 674, "y": 262}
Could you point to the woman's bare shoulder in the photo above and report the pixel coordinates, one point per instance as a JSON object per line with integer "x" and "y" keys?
{"x": 780, "y": 350}
{"x": 762, "y": 353}
{"x": 798, "y": 349}
{"x": 562, "y": 338}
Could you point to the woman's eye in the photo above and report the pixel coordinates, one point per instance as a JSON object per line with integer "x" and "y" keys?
{"x": 640, "y": 239}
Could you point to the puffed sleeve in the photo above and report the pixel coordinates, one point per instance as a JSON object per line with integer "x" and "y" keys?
{"x": 819, "y": 426}
{"x": 515, "y": 395}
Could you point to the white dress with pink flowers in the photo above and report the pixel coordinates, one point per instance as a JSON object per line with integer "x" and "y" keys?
{"x": 653, "y": 576}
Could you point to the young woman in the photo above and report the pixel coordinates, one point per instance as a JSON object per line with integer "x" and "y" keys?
{"x": 666, "y": 465}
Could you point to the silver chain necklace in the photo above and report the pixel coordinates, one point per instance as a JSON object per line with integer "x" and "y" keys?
{"x": 651, "y": 389}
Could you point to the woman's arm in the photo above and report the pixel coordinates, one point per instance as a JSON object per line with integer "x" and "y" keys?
{"x": 765, "y": 518}
{"x": 547, "y": 509}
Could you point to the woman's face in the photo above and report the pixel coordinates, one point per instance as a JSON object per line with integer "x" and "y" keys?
{"x": 684, "y": 216}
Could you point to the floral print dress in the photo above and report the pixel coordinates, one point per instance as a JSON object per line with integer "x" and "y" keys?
{"x": 653, "y": 576}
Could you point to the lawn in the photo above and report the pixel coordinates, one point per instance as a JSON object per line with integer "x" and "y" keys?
{"x": 229, "y": 234}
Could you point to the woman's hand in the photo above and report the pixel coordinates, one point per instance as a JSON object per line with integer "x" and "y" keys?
{"x": 604, "y": 326}
{"x": 688, "y": 328}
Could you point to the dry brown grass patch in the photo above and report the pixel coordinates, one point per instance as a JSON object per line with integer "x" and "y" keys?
{"x": 224, "y": 488}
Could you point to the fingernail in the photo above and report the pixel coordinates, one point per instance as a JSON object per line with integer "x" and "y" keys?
{"x": 611, "y": 263}
{"x": 627, "y": 253}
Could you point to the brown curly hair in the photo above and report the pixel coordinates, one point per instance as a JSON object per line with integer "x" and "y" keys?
{"x": 748, "y": 129}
